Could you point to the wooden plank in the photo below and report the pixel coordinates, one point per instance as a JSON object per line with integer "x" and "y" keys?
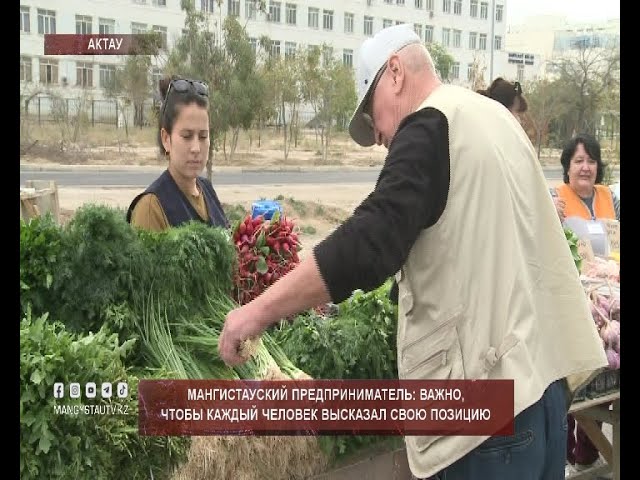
{"x": 385, "y": 466}
{"x": 616, "y": 441}
{"x": 577, "y": 406}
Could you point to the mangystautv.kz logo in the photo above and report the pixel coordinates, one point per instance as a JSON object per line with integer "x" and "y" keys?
{"x": 104, "y": 390}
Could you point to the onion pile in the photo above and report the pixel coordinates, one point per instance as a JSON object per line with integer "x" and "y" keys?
{"x": 605, "y": 310}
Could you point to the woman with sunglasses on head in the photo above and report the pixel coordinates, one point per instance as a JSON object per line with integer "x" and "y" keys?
{"x": 180, "y": 194}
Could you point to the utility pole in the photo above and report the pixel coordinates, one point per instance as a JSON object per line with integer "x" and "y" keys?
{"x": 492, "y": 41}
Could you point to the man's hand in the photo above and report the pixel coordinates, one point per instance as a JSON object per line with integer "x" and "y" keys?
{"x": 239, "y": 325}
{"x": 560, "y": 205}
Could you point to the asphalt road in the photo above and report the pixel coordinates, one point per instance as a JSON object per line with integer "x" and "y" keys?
{"x": 87, "y": 177}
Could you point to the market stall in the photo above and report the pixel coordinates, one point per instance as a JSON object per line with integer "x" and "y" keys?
{"x": 599, "y": 401}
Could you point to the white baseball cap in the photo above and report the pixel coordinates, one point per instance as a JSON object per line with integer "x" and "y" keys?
{"x": 373, "y": 54}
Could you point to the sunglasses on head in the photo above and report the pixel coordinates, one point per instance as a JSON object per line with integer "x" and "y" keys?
{"x": 184, "y": 85}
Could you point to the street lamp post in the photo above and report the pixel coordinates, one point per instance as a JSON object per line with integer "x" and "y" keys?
{"x": 492, "y": 40}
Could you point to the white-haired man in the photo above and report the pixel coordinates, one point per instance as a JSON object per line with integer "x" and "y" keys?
{"x": 461, "y": 215}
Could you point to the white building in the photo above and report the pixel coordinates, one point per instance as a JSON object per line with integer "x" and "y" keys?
{"x": 550, "y": 37}
{"x": 464, "y": 27}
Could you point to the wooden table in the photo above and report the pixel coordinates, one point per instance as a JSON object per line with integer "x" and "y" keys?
{"x": 586, "y": 413}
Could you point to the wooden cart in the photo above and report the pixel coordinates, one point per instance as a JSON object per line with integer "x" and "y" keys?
{"x": 39, "y": 197}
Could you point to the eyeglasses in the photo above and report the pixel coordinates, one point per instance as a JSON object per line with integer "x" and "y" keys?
{"x": 367, "y": 106}
{"x": 184, "y": 85}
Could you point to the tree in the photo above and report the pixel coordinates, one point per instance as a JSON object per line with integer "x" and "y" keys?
{"x": 131, "y": 86}
{"x": 542, "y": 107}
{"x": 442, "y": 60}
{"x": 478, "y": 69}
{"x": 585, "y": 76}
{"x": 329, "y": 86}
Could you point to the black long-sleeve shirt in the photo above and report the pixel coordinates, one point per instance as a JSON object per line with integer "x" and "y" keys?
{"x": 410, "y": 195}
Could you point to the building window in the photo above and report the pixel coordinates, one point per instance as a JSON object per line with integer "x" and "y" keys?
{"x": 108, "y": 76}
{"x": 274, "y": 50}
{"x": 446, "y": 6}
{"x": 484, "y": 9}
{"x": 473, "y": 8}
{"x": 138, "y": 28}
{"x": 418, "y": 29}
{"x": 400, "y": 2}
{"x": 428, "y": 34}
{"x": 482, "y": 43}
{"x": 250, "y": 9}
{"x": 48, "y": 71}
{"x": 274, "y": 14}
{"x": 446, "y": 37}
{"x": 457, "y": 7}
{"x": 159, "y": 3}
{"x": 499, "y": 12}
{"x": 469, "y": 71}
{"x": 419, "y": 3}
{"x": 106, "y": 26}
{"x": 233, "y": 8}
{"x": 254, "y": 44}
{"x": 47, "y": 23}
{"x": 473, "y": 39}
{"x": 429, "y": 4}
{"x": 457, "y": 36}
{"x": 156, "y": 75}
{"x": 26, "y": 69}
{"x": 291, "y": 14}
{"x": 162, "y": 31}
{"x": 83, "y": 25}
{"x": 368, "y": 26}
{"x": 289, "y": 50}
{"x": 388, "y": 2}
{"x": 348, "y": 23}
{"x": 386, "y": 23}
{"x": 520, "y": 73}
{"x": 455, "y": 70}
{"x": 208, "y": 6}
{"x": 314, "y": 15}
{"x": 347, "y": 58}
{"x": 25, "y": 20}
{"x": 497, "y": 44}
{"x": 84, "y": 74}
{"x": 327, "y": 19}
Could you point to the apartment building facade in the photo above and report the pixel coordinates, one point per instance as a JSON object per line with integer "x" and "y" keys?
{"x": 472, "y": 31}
{"x": 550, "y": 37}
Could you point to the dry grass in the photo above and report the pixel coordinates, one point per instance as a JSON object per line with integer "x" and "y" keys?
{"x": 253, "y": 457}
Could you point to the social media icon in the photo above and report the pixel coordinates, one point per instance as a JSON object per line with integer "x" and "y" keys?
{"x": 74, "y": 390}
{"x": 106, "y": 390}
{"x": 90, "y": 390}
{"x": 58, "y": 390}
{"x": 122, "y": 390}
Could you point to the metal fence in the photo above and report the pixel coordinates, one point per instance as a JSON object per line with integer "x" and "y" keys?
{"x": 44, "y": 108}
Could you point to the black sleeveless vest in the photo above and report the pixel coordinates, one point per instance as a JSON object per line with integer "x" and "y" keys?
{"x": 177, "y": 207}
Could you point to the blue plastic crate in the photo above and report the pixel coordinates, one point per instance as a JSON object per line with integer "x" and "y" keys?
{"x": 266, "y": 208}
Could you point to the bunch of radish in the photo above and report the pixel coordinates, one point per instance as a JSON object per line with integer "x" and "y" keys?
{"x": 267, "y": 250}
{"x": 605, "y": 310}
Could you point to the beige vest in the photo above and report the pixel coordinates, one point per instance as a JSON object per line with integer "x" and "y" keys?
{"x": 491, "y": 290}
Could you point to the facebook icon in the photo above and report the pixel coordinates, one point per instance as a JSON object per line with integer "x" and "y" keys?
{"x": 58, "y": 390}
